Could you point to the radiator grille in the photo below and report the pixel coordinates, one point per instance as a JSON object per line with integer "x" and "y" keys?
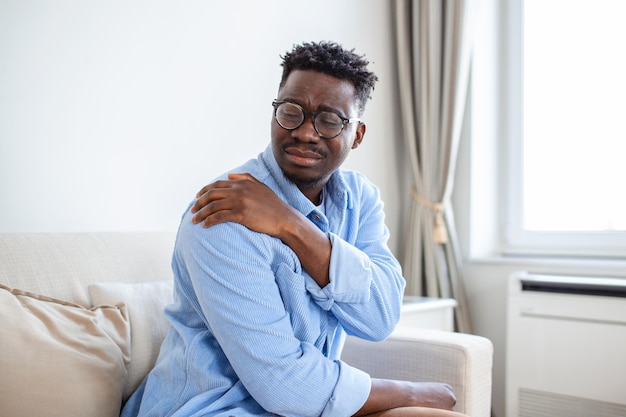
{"x": 565, "y": 350}
{"x": 545, "y": 404}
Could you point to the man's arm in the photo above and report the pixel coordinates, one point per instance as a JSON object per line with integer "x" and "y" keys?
{"x": 388, "y": 394}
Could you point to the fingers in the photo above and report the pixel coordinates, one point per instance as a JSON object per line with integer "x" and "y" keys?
{"x": 213, "y": 186}
{"x": 202, "y": 190}
{"x": 229, "y": 200}
{"x": 221, "y": 216}
{"x": 207, "y": 193}
{"x": 203, "y": 199}
{"x": 212, "y": 213}
{"x": 210, "y": 193}
{"x": 244, "y": 176}
{"x": 226, "y": 183}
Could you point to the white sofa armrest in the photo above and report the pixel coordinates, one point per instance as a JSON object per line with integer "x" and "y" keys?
{"x": 462, "y": 360}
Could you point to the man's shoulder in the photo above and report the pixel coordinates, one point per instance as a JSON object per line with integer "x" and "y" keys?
{"x": 254, "y": 166}
{"x": 351, "y": 176}
{"x": 355, "y": 183}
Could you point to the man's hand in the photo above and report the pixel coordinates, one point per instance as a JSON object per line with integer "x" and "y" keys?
{"x": 245, "y": 200}
{"x": 416, "y": 412}
{"x": 390, "y": 394}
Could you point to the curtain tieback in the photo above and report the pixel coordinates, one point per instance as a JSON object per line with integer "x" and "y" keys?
{"x": 440, "y": 231}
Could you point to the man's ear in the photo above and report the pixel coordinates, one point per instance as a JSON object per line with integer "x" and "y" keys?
{"x": 359, "y": 134}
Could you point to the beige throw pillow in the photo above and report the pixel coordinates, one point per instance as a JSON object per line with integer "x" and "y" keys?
{"x": 145, "y": 302}
{"x": 60, "y": 359}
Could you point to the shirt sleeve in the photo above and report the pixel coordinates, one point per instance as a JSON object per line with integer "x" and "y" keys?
{"x": 232, "y": 276}
{"x": 366, "y": 283}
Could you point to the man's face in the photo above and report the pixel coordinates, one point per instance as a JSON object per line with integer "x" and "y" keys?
{"x": 304, "y": 157}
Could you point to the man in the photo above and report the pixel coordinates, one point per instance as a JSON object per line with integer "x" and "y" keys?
{"x": 293, "y": 255}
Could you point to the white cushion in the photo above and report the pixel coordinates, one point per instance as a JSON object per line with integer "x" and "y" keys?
{"x": 145, "y": 302}
{"x": 61, "y": 359}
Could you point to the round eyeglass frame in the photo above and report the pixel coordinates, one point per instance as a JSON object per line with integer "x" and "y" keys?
{"x": 306, "y": 113}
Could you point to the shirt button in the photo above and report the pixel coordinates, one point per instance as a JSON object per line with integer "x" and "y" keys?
{"x": 316, "y": 216}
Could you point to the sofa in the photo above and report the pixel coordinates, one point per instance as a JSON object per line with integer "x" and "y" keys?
{"x": 82, "y": 324}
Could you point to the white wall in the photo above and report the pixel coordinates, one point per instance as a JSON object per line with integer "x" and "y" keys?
{"x": 113, "y": 114}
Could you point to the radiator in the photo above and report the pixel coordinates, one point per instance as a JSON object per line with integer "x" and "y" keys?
{"x": 566, "y": 346}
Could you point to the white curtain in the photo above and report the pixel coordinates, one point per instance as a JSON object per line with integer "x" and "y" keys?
{"x": 433, "y": 43}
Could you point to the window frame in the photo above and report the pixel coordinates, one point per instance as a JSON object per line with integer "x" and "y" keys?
{"x": 514, "y": 240}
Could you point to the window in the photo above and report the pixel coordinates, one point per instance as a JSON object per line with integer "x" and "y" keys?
{"x": 566, "y": 101}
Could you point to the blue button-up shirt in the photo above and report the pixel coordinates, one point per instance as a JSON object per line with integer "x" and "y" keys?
{"x": 252, "y": 334}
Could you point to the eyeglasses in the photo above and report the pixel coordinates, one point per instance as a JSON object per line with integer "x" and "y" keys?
{"x": 327, "y": 124}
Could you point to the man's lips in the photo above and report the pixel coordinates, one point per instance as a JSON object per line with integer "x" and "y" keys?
{"x": 302, "y": 156}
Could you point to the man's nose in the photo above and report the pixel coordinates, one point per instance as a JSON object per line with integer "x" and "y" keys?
{"x": 306, "y": 132}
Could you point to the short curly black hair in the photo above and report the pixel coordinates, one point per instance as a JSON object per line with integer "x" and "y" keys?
{"x": 332, "y": 59}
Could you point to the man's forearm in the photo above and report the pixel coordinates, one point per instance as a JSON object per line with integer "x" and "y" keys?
{"x": 310, "y": 245}
{"x": 386, "y": 394}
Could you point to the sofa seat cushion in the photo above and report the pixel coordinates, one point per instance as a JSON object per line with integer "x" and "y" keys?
{"x": 59, "y": 358}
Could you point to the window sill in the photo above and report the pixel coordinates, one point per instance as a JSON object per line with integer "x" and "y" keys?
{"x": 578, "y": 266}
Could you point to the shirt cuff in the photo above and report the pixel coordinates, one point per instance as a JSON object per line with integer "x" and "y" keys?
{"x": 351, "y": 392}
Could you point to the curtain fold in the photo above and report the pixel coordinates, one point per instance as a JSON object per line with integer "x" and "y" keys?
{"x": 433, "y": 48}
